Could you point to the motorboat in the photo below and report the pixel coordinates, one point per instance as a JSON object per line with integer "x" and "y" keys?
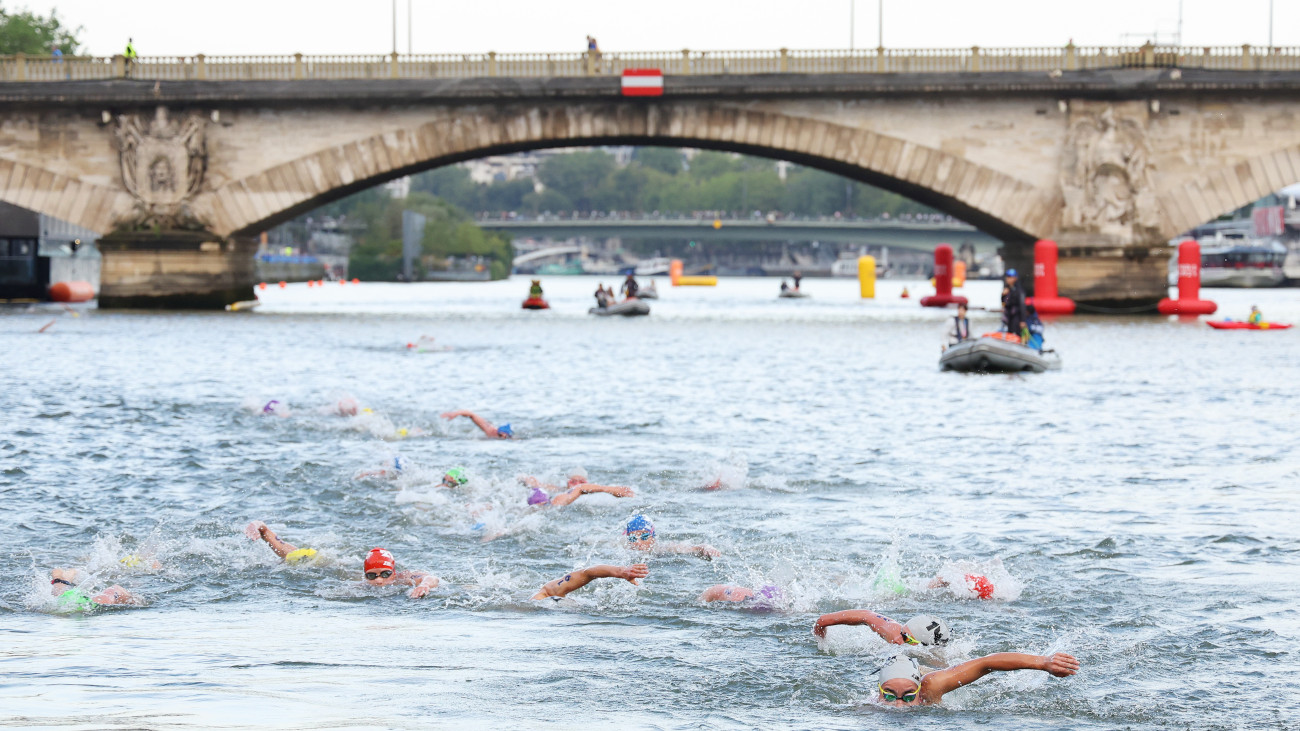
{"x": 1247, "y": 264}
{"x": 536, "y": 303}
{"x": 627, "y": 308}
{"x": 1239, "y": 325}
{"x": 648, "y": 267}
{"x": 997, "y": 353}
{"x": 792, "y": 294}
{"x": 648, "y": 292}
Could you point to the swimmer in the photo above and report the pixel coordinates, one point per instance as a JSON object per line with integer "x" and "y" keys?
{"x": 454, "y": 477}
{"x": 578, "y": 486}
{"x": 900, "y": 682}
{"x": 560, "y": 588}
{"x": 347, "y": 406}
{"x": 976, "y": 584}
{"x": 922, "y": 629}
{"x": 72, "y": 598}
{"x": 767, "y": 596}
{"x": 257, "y": 530}
{"x": 391, "y": 470}
{"x": 640, "y": 534}
{"x": 381, "y": 570}
{"x": 275, "y": 408}
{"x": 493, "y": 432}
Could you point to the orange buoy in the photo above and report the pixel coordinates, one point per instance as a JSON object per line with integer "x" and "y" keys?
{"x": 261, "y": 285}
{"x": 283, "y": 284}
{"x": 342, "y": 282}
{"x": 356, "y": 281}
{"x": 77, "y": 291}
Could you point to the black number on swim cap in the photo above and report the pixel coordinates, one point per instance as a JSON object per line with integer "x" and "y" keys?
{"x": 938, "y": 635}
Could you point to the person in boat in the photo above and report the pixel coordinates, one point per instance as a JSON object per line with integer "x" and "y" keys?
{"x": 797, "y": 276}
{"x": 1013, "y": 305}
{"x": 602, "y": 299}
{"x": 1256, "y": 317}
{"x": 640, "y": 534}
{"x": 900, "y": 683}
{"x": 560, "y": 588}
{"x": 630, "y": 287}
{"x": 379, "y": 567}
{"x": 650, "y": 289}
{"x": 785, "y": 286}
{"x": 63, "y": 584}
{"x": 535, "y": 291}
{"x": 960, "y": 329}
{"x": 493, "y": 432}
{"x": 923, "y": 629}
{"x": 1034, "y": 326}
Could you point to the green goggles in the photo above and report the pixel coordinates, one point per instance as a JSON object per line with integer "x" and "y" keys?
{"x": 909, "y": 639}
{"x": 907, "y": 697}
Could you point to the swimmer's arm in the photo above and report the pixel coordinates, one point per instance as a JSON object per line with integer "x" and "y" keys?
{"x": 703, "y": 551}
{"x": 112, "y": 595}
{"x": 565, "y": 498}
{"x": 257, "y": 529}
{"x": 888, "y": 629}
{"x": 580, "y": 578}
{"x": 422, "y": 583}
{"x": 479, "y": 421}
{"x": 934, "y": 685}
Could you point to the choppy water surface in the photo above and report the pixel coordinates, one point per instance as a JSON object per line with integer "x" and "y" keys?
{"x": 1137, "y": 509}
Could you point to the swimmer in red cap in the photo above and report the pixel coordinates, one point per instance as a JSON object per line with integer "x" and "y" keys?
{"x": 493, "y": 432}
{"x": 561, "y": 587}
{"x": 381, "y": 570}
{"x": 976, "y": 584}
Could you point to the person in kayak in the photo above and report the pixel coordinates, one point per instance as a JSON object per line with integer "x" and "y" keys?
{"x": 900, "y": 683}
{"x": 630, "y": 287}
{"x": 63, "y": 584}
{"x": 640, "y": 533}
{"x": 575, "y": 580}
{"x": 379, "y": 567}
{"x": 922, "y": 629}
{"x": 960, "y": 329}
{"x": 493, "y": 432}
{"x": 535, "y": 291}
{"x": 1256, "y": 317}
{"x": 1013, "y": 305}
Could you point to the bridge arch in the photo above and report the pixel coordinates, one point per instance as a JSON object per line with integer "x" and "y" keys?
{"x": 997, "y": 203}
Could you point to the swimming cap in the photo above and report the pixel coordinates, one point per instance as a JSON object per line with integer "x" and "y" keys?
{"x": 456, "y": 475}
{"x": 399, "y": 464}
{"x": 1012, "y": 273}
{"x": 505, "y": 429}
{"x": 929, "y": 630}
{"x": 75, "y": 600}
{"x": 270, "y": 406}
{"x": 379, "y": 559}
{"x": 900, "y": 666}
{"x": 638, "y": 523}
{"x": 538, "y": 497}
{"x": 767, "y": 597}
{"x": 981, "y": 585}
{"x": 131, "y": 561}
{"x": 300, "y": 554}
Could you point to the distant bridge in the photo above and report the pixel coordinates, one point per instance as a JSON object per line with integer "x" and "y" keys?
{"x": 546, "y": 253}
{"x": 905, "y": 234}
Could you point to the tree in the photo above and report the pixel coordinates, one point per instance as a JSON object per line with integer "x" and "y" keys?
{"x": 664, "y": 159}
{"x": 36, "y": 35}
{"x": 578, "y": 176}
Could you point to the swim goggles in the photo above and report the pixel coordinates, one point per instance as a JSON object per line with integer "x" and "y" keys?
{"x": 65, "y": 582}
{"x": 640, "y": 535}
{"x": 909, "y": 639}
{"x": 907, "y": 697}
{"x": 372, "y": 575}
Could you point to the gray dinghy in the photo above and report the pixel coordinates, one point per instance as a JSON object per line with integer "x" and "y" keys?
{"x": 626, "y": 308}
{"x": 990, "y": 355}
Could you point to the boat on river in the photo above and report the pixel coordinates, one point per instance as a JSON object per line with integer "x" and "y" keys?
{"x": 997, "y": 355}
{"x": 792, "y": 294}
{"x": 536, "y": 303}
{"x": 1238, "y": 325}
{"x": 626, "y": 308}
{"x": 1247, "y": 264}
{"x": 648, "y": 292}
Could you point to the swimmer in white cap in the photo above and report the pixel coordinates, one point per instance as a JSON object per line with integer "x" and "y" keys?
{"x": 493, "y": 432}
{"x": 900, "y": 682}
{"x": 922, "y": 629}
{"x": 572, "y": 581}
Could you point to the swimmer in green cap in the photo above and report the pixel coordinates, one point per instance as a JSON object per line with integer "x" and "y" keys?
{"x": 290, "y": 553}
{"x": 73, "y": 599}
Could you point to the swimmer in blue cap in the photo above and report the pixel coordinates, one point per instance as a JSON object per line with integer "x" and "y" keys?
{"x": 900, "y": 682}
{"x": 578, "y": 486}
{"x": 640, "y": 533}
{"x": 922, "y": 629}
{"x": 72, "y": 598}
{"x": 493, "y": 432}
{"x": 561, "y": 587}
{"x": 767, "y": 597}
{"x": 391, "y": 470}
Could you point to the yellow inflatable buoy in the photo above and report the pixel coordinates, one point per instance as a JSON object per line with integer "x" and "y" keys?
{"x": 700, "y": 281}
{"x": 300, "y": 554}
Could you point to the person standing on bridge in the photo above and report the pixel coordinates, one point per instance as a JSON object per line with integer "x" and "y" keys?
{"x": 630, "y": 287}
{"x": 130, "y": 55}
{"x": 1013, "y": 306}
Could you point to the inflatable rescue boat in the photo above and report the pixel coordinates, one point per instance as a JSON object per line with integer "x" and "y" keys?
{"x": 626, "y": 308}
{"x": 997, "y": 353}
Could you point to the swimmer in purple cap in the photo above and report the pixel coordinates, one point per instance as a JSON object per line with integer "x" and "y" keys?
{"x": 539, "y": 496}
{"x": 766, "y": 597}
{"x": 275, "y": 408}
{"x": 493, "y": 432}
{"x": 640, "y": 533}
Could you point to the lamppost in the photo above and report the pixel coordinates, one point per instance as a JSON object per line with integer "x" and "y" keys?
{"x": 880, "y": 23}
{"x": 394, "y": 27}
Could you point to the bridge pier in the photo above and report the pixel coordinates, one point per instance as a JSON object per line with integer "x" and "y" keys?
{"x": 174, "y": 270}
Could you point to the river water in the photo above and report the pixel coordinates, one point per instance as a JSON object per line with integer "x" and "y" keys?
{"x": 1137, "y": 509}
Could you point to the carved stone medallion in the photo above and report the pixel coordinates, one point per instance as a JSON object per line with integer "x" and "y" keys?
{"x": 1106, "y": 176}
{"x": 162, "y": 166}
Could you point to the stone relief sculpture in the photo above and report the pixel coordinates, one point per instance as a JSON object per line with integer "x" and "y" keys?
{"x": 162, "y": 166}
{"x": 1106, "y": 178}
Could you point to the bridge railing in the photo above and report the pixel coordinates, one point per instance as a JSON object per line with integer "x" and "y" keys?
{"x": 289, "y": 67}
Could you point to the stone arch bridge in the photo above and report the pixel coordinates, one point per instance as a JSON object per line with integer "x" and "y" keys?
{"x": 180, "y": 176}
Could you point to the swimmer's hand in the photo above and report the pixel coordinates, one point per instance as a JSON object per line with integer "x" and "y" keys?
{"x": 631, "y": 573}
{"x": 620, "y": 491}
{"x": 819, "y": 629}
{"x": 254, "y": 530}
{"x": 421, "y": 589}
{"x": 1061, "y": 665}
{"x": 707, "y": 552}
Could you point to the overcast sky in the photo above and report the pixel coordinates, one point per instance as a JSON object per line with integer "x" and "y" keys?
{"x": 186, "y": 27}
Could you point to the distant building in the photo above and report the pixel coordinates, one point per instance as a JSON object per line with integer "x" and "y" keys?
{"x": 37, "y": 250}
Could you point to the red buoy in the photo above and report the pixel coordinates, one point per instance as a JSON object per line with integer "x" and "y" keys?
{"x": 72, "y": 291}
{"x": 261, "y": 285}
{"x": 283, "y": 284}
{"x": 1045, "y": 298}
{"x": 1189, "y": 300}
{"x": 943, "y": 295}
